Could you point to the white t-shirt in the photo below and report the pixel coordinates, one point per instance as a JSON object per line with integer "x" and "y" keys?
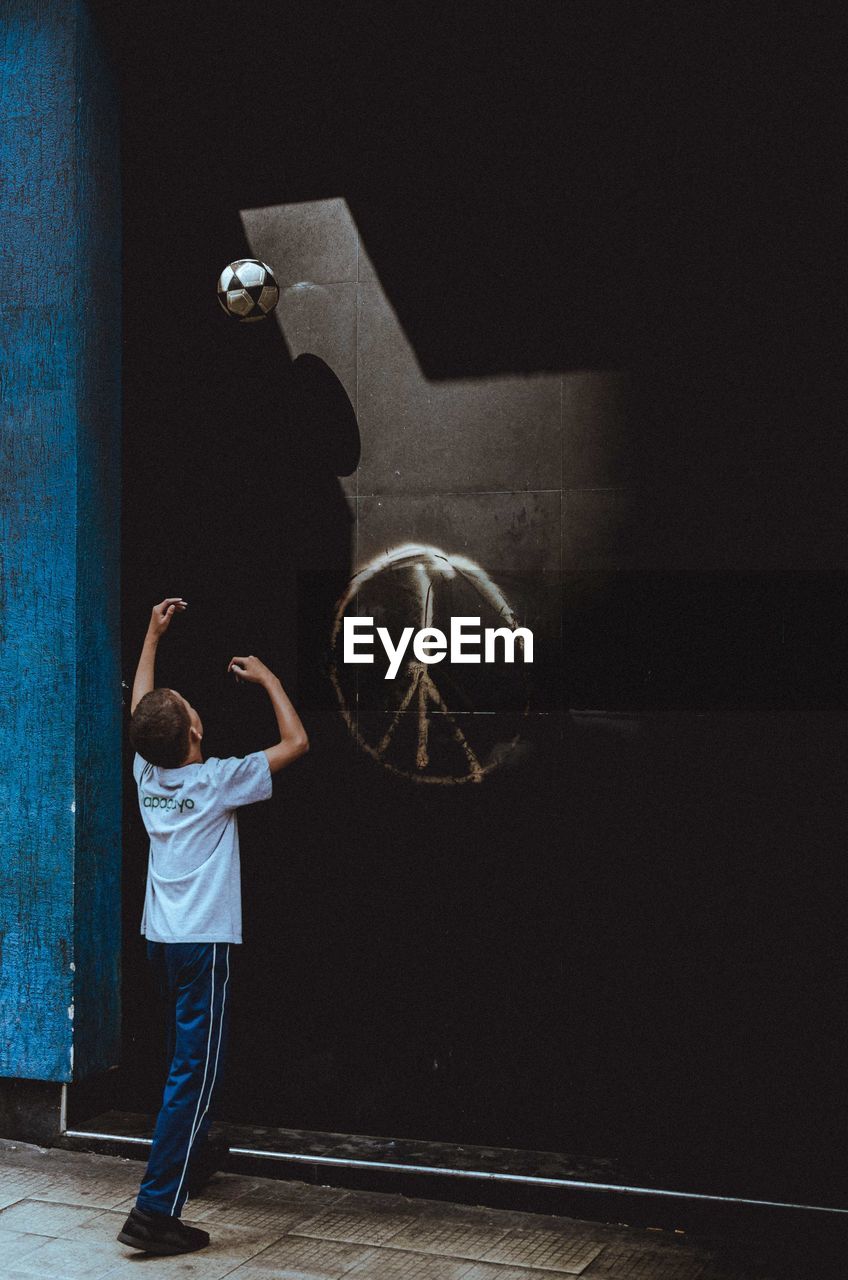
{"x": 193, "y": 891}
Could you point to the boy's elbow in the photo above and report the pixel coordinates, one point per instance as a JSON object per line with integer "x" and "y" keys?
{"x": 301, "y": 744}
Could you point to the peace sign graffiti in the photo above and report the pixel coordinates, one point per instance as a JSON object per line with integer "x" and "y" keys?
{"x": 433, "y": 723}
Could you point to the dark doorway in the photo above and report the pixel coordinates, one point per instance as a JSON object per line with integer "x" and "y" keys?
{"x": 627, "y": 942}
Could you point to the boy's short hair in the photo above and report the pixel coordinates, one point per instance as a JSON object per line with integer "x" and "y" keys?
{"x": 159, "y": 729}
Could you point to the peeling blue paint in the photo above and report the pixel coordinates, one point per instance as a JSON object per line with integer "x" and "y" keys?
{"x": 60, "y": 722}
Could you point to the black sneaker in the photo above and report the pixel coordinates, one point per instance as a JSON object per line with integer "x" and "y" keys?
{"x": 160, "y": 1233}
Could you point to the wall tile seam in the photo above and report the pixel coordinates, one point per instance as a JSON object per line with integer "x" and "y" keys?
{"x": 319, "y": 284}
{"x": 356, "y": 363}
{"x": 356, "y": 352}
{"x": 455, "y": 493}
{"x": 562, "y": 440}
{"x": 483, "y": 493}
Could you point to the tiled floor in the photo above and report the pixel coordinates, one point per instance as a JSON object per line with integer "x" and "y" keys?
{"x": 60, "y": 1212}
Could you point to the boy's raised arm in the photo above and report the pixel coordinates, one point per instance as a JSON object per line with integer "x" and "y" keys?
{"x": 160, "y": 619}
{"x": 293, "y": 740}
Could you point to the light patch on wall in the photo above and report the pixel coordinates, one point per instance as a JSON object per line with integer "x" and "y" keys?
{"x": 544, "y": 432}
{"x": 316, "y": 252}
{"x": 312, "y": 242}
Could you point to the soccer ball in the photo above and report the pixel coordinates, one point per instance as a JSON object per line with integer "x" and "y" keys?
{"x": 247, "y": 289}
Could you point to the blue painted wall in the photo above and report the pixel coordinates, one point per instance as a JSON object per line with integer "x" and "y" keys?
{"x": 60, "y": 709}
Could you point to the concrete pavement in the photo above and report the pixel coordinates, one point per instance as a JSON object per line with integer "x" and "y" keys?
{"x": 60, "y": 1212}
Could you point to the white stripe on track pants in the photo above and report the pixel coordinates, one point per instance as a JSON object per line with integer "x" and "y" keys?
{"x": 194, "y": 978}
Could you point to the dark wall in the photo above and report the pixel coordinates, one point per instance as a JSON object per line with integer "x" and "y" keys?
{"x": 553, "y": 299}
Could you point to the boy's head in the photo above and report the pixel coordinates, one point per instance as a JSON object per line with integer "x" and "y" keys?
{"x": 165, "y": 728}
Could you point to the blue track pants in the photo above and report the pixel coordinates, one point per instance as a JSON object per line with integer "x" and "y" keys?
{"x": 194, "y": 979}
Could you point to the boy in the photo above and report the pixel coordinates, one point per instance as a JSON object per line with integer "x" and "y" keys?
{"x": 192, "y": 913}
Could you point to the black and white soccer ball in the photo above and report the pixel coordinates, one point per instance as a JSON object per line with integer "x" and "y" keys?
{"x": 247, "y": 289}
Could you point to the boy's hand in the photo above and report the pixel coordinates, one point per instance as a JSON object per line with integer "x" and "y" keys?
{"x": 160, "y": 618}
{"x": 251, "y": 669}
